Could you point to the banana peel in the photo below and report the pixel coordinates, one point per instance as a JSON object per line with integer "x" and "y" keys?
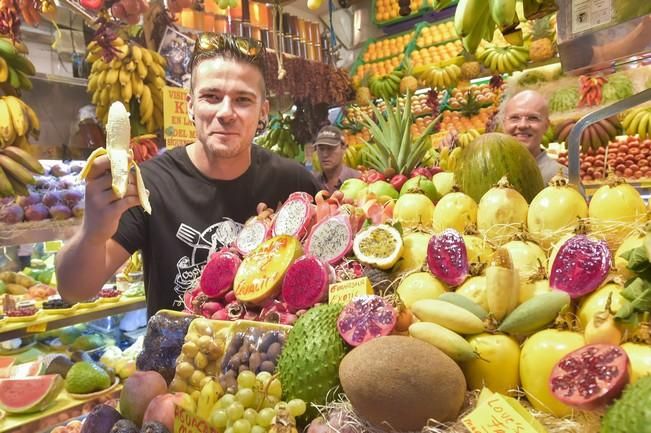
{"x": 118, "y": 136}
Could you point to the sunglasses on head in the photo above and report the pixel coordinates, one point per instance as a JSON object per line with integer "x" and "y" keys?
{"x": 211, "y": 42}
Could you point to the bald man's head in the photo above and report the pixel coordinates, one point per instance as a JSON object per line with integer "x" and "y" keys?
{"x": 526, "y": 117}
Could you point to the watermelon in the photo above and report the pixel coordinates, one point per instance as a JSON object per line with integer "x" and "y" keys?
{"x": 27, "y": 369}
{"x": 31, "y": 394}
{"x": 5, "y": 365}
{"x": 484, "y": 161}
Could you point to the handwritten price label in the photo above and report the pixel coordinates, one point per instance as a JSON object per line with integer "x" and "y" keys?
{"x": 344, "y": 292}
{"x": 496, "y": 415}
{"x": 186, "y": 422}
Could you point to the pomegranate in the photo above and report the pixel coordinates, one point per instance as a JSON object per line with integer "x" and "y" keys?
{"x": 219, "y": 273}
{"x": 331, "y": 239}
{"x": 455, "y": 210}
{"x": 295, "y": 217}
{"x": 501, "y": 212}
{"x": 365, "y": 318}
{"x": 447, "y": 257}
{"x": 305, "y": 283}
{"x": 580, "y": 266}
{"x": 591, "y": 377}
{"x": 556, "y": 210}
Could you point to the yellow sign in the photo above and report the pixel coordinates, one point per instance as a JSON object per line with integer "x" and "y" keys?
{"x": 186, "y": 422}
{"x": 344, "y": 292}
{"x": 496, "y": 415}
{"x": 177, "y": 127}
{"x": 52, "y": 246}
{"x": 35, "y": 329}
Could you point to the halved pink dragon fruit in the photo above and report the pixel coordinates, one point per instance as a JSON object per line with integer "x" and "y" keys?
{"x": 365, "y": 318}
{"x": 219, "y": 273}
{"x": 295, "y": 217}
{"x": 331, "y": 239}
{"x": 447, "y": 257}
{"x": 305, "y": 283}
{"x": 251, "y": 236}
{"x": 580, "y": 266}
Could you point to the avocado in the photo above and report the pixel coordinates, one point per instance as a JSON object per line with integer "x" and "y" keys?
{"x": 59, "y": 365}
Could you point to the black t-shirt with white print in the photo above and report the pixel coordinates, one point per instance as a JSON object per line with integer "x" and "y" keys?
{"x": 193, "y": 216}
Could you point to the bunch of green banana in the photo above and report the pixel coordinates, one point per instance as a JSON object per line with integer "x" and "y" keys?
{"x": 134, "y": 72}
{"x": 386, "y": 86}
{"x": 438, "y": 5}
{"x": 441, "y": 77}
{"x": 17, "y": 121}
{"x": 15, "y": 67}
{"x": 279, "y": 137}
{"x": 353, "y": 156}
{"x": 504, "y": 59}
{"x": 475, "y": 20}
{"x": 638, "y": 121}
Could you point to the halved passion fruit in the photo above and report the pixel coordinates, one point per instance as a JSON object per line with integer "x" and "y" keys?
{"x": 379, "y": 246}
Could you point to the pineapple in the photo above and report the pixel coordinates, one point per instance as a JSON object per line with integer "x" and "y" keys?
{"x": 470, "y": 106}
{"x": 363, "y": 93}
{"x": 542, "y": 45}
{"x": 470, "y": 70}
{"x": 392, "y": 147}
{"x": 408, "y": 82}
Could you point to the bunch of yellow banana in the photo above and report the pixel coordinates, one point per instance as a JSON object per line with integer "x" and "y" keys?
{"x": 475, "y": 20}
{"x": 134, "y": 264}
{"x": 466, "y": 137}
{"x": 387, "y": 86}
{"x": 441, "y": 77}
{"x": 353, "y": 156}
{"x": 504, "y": 59}
{"x": 638, "y": 121}
{"x": 135, "y": 72}
{"x": 15, "y": 67}
{"x": 17, "y": 121}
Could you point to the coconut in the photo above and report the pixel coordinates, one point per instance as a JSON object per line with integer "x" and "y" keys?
{"x": 401, "y": 382}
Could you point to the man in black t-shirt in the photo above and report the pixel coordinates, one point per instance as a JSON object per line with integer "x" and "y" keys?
{"x": 200, "y": 194}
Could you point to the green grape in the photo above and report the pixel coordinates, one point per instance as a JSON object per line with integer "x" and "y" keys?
{"x": 275, "y": 389}
{"x": 226, "y": 400}
{"x": 265, "y": 417}
{"x": 246, "y": 396}
{"x": 246, "y": 379}
{"x": 263, "y": 377}
{"x": 270, "y": 401}
{"x": 296, "y": 407}
{"x": 235, "y": 411}
{"x": 258, "y": 429}
{"x": 241, "y": 426}
{"x": 219, "y": 418}
{"x": 251, "y": 415}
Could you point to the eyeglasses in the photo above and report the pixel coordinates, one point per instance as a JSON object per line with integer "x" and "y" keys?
{"x": 532, "y": 119}
{"x": 210, "y": 43}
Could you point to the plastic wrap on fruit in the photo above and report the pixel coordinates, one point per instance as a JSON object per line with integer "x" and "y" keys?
{"x": 163, "y": 341}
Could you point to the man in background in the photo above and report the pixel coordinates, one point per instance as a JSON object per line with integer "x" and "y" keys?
{"x": 330, "y": 148}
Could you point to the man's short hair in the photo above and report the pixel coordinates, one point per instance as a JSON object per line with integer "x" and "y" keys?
{"x": 210, "y": 45}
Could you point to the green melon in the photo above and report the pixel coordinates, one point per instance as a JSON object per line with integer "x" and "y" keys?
{"x": 309, "y": 364}
{"x": 484, "y": 161}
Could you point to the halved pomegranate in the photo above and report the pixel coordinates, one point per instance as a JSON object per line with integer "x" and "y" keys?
{"x": 365, "y": 318}
{"x": 591, "y": 377}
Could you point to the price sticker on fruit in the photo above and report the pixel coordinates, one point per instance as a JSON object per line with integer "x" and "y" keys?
{"x": 186, "y": 422}
{"x": 497, "y": 415}
{"x": 344, "y": 292}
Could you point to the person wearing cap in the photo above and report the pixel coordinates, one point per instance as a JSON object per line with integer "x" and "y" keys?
{"x": 330, "y": 148}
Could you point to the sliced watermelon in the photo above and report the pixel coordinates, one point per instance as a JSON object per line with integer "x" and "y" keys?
{"x": 27, "y": 369}
{"x": 5, "y": 365}
{"x": 31, "y": 394}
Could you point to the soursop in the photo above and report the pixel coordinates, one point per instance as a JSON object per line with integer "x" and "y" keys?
{"x": 630, "y": 414}
{"x": 309, "y": 363}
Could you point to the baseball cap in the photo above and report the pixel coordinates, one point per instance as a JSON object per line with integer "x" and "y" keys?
{"x": 330, "y": 136}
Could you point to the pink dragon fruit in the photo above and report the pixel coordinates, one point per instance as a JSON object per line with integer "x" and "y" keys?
{"x": 219, "y": 273}
{"x": 580, "y": 266}
{"x": 331, "y": 239}
{"x": 365, "y": 318}
{"x": 447, "y": 257}
{"x": 251, "y": 236}
{"x": 305, "y": 283}
{"x": 295, "y": 217}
